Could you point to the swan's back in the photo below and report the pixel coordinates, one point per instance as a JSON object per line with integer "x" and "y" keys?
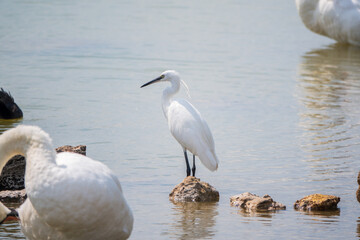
{"x": 337, "y": 19}
{"x": 88, "y": 203}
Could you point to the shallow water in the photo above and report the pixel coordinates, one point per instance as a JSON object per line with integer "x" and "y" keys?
{"x": 282, "y": 104}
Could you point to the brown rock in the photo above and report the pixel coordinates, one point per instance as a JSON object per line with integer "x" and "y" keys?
{"x": 81, "y": 149}
{"x": 253, "y": 202}
{"x": 191, "y": 189}
{"x": 317, "y": 202}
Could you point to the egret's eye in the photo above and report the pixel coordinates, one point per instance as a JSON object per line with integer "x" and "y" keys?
{"x": 162, "y": 76}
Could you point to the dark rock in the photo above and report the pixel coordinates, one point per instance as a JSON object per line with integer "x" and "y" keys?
{"x": 191, "y": 189}
{"x": 253, "y": 202}
{"x": 317, "y": 202}
{"x": 12, "y": 175}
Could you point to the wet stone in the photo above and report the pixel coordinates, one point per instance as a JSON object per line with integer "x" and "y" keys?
{"x": 317, "y": 202}
{"x": 252, "y": 202}
{"x": 191, "y": 189}
{"x": 81, "y": 149}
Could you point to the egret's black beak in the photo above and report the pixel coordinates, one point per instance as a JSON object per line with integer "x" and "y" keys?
{"x": 153, "y": 81}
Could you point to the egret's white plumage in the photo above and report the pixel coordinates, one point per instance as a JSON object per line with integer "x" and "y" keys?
{"x": 336, "y": 19}
{"x": 70, "y": 196}
{"x": 186, "y": 124}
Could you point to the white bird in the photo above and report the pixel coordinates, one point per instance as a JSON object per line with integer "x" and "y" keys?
{"x": 336, "y": 19}
{"x": 186, "y": 124}
{"x": 69, "y": 196}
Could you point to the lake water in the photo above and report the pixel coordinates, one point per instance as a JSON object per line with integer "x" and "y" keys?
{"x": 281, "y": 101}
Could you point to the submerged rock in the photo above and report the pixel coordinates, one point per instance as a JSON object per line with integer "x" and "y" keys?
{"x": 317, "y": 202}
{"x": 253, "y": 202}
{"x": 191, "y": 189}
{"x": 12, "y": 175}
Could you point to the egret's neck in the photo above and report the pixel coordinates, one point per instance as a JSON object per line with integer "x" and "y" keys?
{"x": 35, "y": 146}
{"x": 168, "y": 93}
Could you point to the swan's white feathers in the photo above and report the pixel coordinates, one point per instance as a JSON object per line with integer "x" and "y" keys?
{"x": 337, "y": 19}
{"x": 70, "y": 196}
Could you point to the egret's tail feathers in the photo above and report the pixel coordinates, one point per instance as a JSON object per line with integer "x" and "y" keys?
{"x": 210, "y": 160}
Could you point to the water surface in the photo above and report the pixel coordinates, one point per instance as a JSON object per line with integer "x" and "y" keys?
{"x": 282, "y": 104}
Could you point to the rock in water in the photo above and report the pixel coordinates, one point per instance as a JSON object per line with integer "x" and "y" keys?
{"x": 253, "y": 202}
{"x": 318, "y": 202}
{"x": 81, "y": 149}
{"x": 191, "y": 189}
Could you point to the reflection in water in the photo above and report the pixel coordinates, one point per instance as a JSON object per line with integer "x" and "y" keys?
{"x": 264, "y": 217}
{"x": 193, "y": 220}
{"x": 9, "y": 123}
{"x": 329, "y": 91}
{"x": 11, "y": 230}
{"x": 358, "y": 227}
{"x": 322, "y": 217}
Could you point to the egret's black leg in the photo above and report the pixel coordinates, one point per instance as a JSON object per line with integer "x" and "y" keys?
{"x": 188, "y": 171}
{"x": 194, "y": 167}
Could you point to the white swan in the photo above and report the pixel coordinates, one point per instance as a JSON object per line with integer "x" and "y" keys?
{"x": 186, "y": 124}
{"x": 70, "y": 196}
{"x": 336, "y": 19}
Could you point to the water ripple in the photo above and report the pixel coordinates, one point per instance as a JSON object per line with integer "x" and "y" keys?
{"x": 328, "y": 91}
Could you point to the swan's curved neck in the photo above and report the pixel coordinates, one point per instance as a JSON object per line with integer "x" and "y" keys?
{"x": 35, "y": 145}
{"x": 168, "y": 93}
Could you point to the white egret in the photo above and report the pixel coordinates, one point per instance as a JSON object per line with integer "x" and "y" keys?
{"x": 186, "y": 124}
{"x": 70, "y": 196}
{"x": 336, "y": 19}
